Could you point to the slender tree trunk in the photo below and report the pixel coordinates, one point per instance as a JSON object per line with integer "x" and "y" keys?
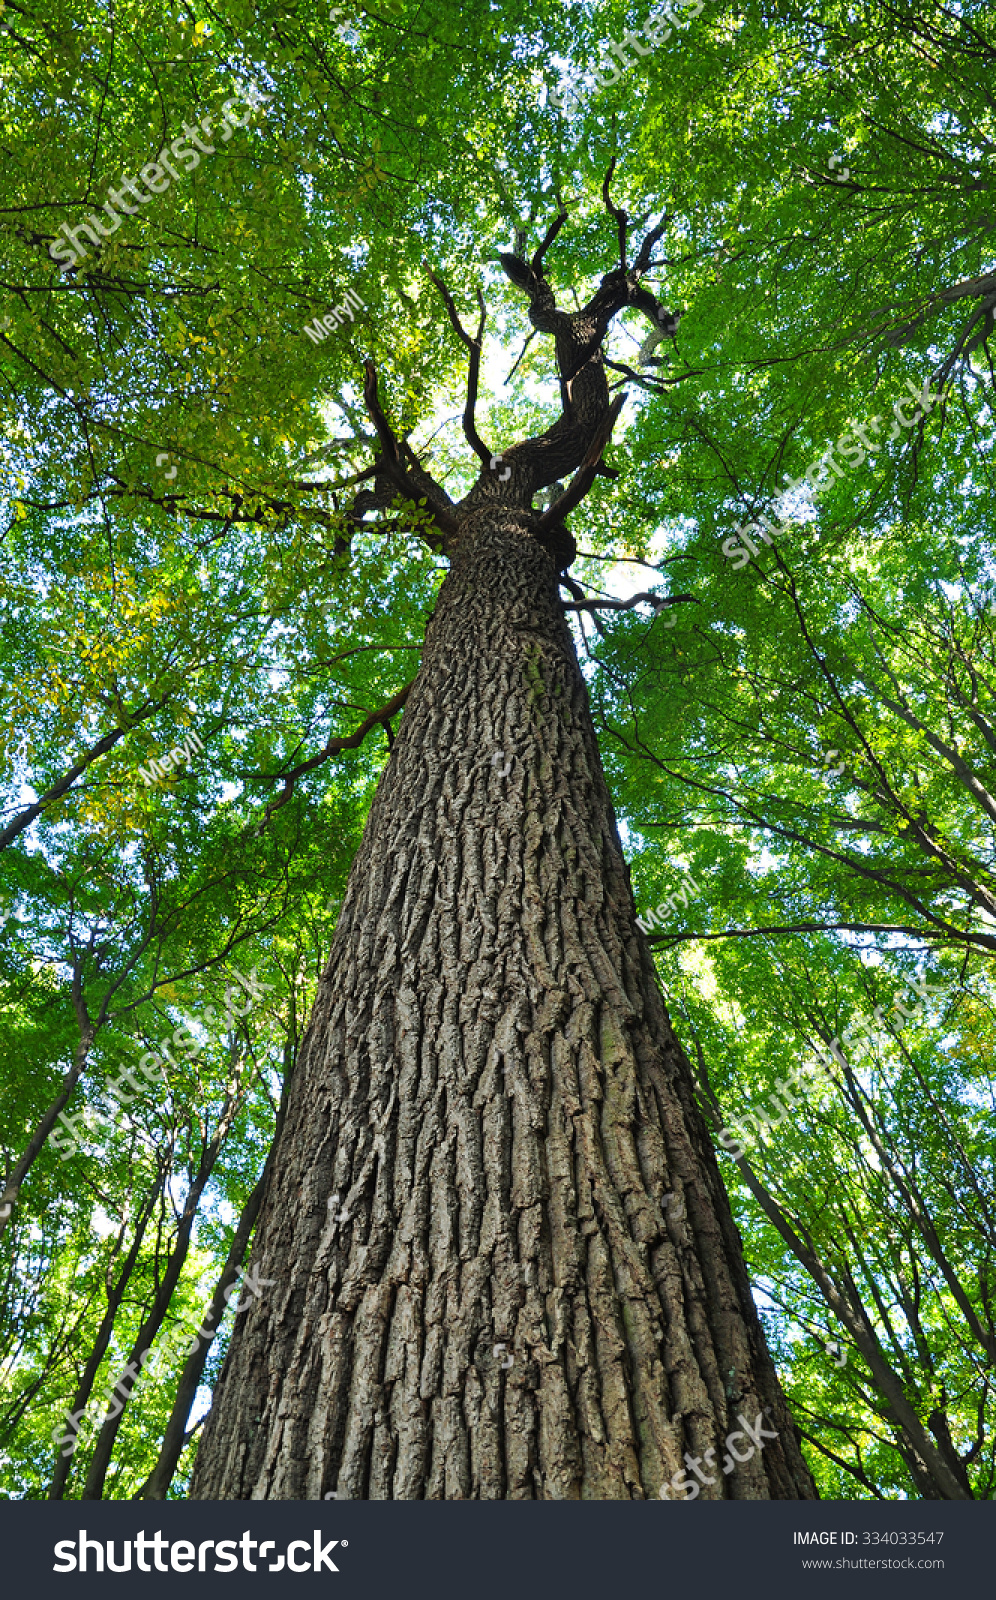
{"x": 100, "y": 1460}
{"x": 115, "y": 1295}
{"x": 936, "y": 1475}
{"x": 36, "y": 1143}
{"x": 506, "y": 1264}
{"x": 175, "y": 1437}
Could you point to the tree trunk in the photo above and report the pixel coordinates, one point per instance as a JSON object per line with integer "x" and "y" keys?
{"x": 93, "y": 1488}
{"x": 506, "y": 1264}
{"x": 115, "y": 1295}
{"x": 156, "y": 1486}
{"x": 36, "y": 1143}
{"x": 936, "y": 1469}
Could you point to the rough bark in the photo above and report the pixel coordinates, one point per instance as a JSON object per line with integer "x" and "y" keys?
{"x": 506, "y": 1267}
{"x": 491, "y": 1087}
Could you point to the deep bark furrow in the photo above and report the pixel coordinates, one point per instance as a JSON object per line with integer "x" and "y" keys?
{"x": 491, "y": 1095}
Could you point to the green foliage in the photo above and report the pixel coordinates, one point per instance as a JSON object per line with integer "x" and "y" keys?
{"x": 180, "y": 469}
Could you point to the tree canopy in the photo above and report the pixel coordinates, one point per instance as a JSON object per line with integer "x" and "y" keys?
{"x": 191, "y": 545}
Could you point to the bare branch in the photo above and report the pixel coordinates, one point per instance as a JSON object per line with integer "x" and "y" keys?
{"x": 655, "y": 600}
{"x": 530, "y": 336}
{"x": 578, "y": 593}
{"x": 660, "y": 384}
{"x": 350, "y": 741}
{"x": 474, "y": 346}
{"x": 621, "y": 216}
{"x": 643, "y": 262}
{"x": 585, "y": 476}
{"x": 797, "y": 927}
{"x": 392, "y": 458}
{"x": 536, "y": 265}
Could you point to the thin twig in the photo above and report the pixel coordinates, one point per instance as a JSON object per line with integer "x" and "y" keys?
{"x": 529, "y": 338}
{"x": 350, "y": 741}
